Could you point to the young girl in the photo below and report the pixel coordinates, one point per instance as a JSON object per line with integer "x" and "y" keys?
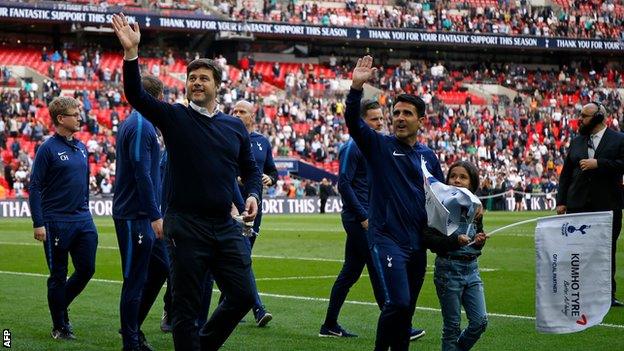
{"x": 456, "y": 275}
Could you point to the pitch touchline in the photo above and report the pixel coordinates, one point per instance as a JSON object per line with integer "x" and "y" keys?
{"x": 253, "y": 256}
{"x": 256, "y": 256}
{"x": 317, "y": 299}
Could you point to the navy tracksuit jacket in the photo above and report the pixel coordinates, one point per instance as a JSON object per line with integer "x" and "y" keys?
{"x": 59, "y": 196}
{"x": 397, "y": 217}
{"x": 135, "y": 206}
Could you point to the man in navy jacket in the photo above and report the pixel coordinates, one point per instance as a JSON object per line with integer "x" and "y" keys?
{"x": 137, "y": 217}
{"x": 397, "y": 212}
{"x": 353, "y": 188}
{"x": 207, "y": 150}
{"x": 59, "y": 195}
{"x": 261, "y": 148}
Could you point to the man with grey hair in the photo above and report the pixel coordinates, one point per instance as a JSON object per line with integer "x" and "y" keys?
{"x": 59, "y": 195}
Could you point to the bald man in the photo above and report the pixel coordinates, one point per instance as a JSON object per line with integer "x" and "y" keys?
{"x": 261, "y": 148}
{"x": 591, "y": 179}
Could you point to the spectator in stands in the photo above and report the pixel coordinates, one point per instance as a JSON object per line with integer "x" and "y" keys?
{"x": 56, "y": 57}
{"x": 6, "y": 75}
{"x": 79, "y": 71}
{"x": 156, "y": 70}
{"x": 15, "y": 147}
{"x": 106, "y": 186}
{"x": 18, "y": 187}
{"x": 276, "y": 70}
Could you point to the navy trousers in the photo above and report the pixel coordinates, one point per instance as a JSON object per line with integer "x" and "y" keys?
{"x": 136, "y": 239}
{"x": 78, "y": 239}
{"x": 157, "y": 274}
{"x": 209, "y": 284}
{"x": 357, "y": 255}
{"x": 198, "y": 245}
{"x": 401, "y": 274}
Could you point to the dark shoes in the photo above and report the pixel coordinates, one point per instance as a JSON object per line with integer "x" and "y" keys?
{"x": 616, "y": 303}
{"x": 416, "y": 334}
{"x": 62, "y": 334}
{"x": 335, "y": 332}
{"x": 165, "y": 323}
{"x": 262, "y": 316}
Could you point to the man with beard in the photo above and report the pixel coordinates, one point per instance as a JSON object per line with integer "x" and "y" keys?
{"x": 591, "y": 179}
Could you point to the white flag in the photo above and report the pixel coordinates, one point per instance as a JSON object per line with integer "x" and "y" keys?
{"x": 446, "y": 203}
{"x": 573, "y": 271}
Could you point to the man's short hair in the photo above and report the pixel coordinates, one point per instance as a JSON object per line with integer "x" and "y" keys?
{"x": 60, "y": 105}
{"x": 152, "y": 85}
{"x": 420, "y": 105}
{"x": 205, "y": 63}
{"x": 368, "y": 105}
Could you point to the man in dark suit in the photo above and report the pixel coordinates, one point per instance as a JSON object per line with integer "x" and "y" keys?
{"x": 325, "y": 191}
{"x": 591, "y": 179}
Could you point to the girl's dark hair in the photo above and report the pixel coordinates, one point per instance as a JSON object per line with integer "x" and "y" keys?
{"x": 473, "y": 174}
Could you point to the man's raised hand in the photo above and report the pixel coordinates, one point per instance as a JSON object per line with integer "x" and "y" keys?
{"x": 362, "y": 72}
{"x": 129, "y": 36}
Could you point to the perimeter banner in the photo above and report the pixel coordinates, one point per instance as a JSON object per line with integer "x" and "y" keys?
{"x": 103, "y": 206}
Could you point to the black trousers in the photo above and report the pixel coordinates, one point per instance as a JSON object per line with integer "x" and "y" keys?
{"x": 197, "y": 245}
{"x": 617, "y": 227}
{"x": 157, "y": 274}
{"x": 323, "y": 203}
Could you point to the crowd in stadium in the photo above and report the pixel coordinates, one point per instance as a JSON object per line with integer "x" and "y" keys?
{"x": 578, "y": 19}
{"x": 598, "y": 19}
{"x": 518, "y": 143}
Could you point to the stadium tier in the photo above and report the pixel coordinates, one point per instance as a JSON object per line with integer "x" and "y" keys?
{"x": 510, "y": 111}
{"x": 533, "y": 123}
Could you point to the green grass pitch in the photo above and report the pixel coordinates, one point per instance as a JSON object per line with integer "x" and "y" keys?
{"x": 295, "y": 260}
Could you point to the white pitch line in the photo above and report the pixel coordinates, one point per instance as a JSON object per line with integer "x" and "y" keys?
{"x": 320, "y": 299}
{"x": 298, "y": 258}
{"x": 256, "y": 256}
{"x": 334, "y": 276}
{"x": 253, "y": 256}
{"x": 298, "y": 278}
{"x": 45, "y": 276}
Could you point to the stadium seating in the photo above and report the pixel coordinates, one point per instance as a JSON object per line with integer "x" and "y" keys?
{"x": 462, "y": 124}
